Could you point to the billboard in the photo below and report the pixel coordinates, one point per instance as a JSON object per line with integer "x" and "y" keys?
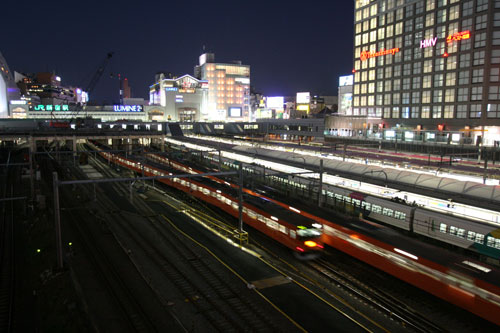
{"x": 303, "y": 97}
{"x": 235, "y": 111}
{"x": 275, "y": 102}
{"x": 347, "y": 80}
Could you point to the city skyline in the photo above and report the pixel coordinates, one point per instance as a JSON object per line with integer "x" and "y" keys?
{"x": 289, "y": 48}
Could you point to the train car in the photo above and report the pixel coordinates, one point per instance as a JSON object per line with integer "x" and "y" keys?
{"x": 297, "y": 233}
{"x": 456, "y": 279}
{"x": 388, "y": 212}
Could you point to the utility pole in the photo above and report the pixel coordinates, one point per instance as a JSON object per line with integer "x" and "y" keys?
{"x": 240, "y": 197}
{"x": 57, "y": 221}
{"x": 320, "y": 192}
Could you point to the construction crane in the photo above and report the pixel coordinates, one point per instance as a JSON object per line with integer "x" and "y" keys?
{"x": 90, "y": 87}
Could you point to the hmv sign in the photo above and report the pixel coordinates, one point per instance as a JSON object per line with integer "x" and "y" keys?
{"x": 428, "y": 42}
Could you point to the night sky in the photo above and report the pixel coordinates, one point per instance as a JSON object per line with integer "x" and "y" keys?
{"x": 290, "y": 46}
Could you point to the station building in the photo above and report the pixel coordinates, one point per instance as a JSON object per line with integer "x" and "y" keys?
{"x": 427, "y": 70}
{"x": 183, "y": 99}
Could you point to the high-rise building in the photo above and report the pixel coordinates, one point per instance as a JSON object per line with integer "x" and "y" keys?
{"x": 228, "y": 88}
{"x": 127, "y": 93}
{"x": 428, "y": 69}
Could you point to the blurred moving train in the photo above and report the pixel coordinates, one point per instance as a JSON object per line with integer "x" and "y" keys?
{"x": 295, "y": 232}
{"x": 460, "y": 281}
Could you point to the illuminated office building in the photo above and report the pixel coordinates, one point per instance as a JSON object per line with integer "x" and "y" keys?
{"x": 428, "y": 65}
{"x": 228, "y": 88}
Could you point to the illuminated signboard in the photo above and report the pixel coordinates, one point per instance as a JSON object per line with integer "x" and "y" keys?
{"x": 127, "y": 108}
{"x": 170, "y": 88}
{"x": 234, "y": 112}
{"x": 303, "y": 108}
{"x": 50, "y": 107}
{"x": 275, "y": 102}
{"x": 347, "y": 80}
{"x": 428, "y": 42}
{"x": 365, "y": 55}
{"x": 458, "y": 36}
{"x": 303, "y": 97}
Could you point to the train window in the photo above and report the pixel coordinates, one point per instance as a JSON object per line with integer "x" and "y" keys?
{"x": 356, "y": 202}
{"x": 252, "y": 214}
{"x": 442, "y": 227}
{"x": 338, "y": 196}
{"x": 376, "y": 209}
{"x": 471, "y": 235}
{"x": 461, "y": 233}
{"x": 402, "y": 216}
{"x": 398, "y": 215}
{"x": 387, "y": 212}
{"x": 283, "y": 229}
{"x": 273, "y": 225}
{"x": 493, "y": 242}
{"x": 330, "y": 194}
{"x": 347, "y": 199}
{"x": 453, "y": 230}
{"x": 366, "y": 205}
{"x": 292, "y": 234}
{"x": 480, "y": 238}
{"x": 235, "y": 205}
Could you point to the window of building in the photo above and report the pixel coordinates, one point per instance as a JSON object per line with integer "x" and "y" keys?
{"x": 406, "y": 83}
{"x": 481, "y": 21}
{"x": 481, "y": 5}
{"x": 463, "y": 77}
{"x": 462, "y": 94}
{"x": 430, "y": 5}
{"x": 437, "y": 96}
{"x": 396, "y": 85}
{"x": 409, "y": 25}
{"x": 427, "y": 81}
{"x": 388, "y": 72}
{"x": 494, "y": 93}
{"x": 396, "y": 98}
{"x": 467, "y": 24}
{"x": 438, "y": 80}
{"x": 442, "y": 3}
{"x": 428, "y": 52}
{"x": 449, "y": 111}
{"x": 496, "y": 38}
{"x": 405, "y": 113}
{"x": 405, "y": 99}
{"x": 454, "y": 12}
{"x": 436, "y": 111}
{"x": 449, "y": 96}
{"x": 467, "y": 8}
{"x": 494, "y": 74}
{"x": 480, "y": 40}
{"x": 379, "y": 99}
{"x": 429, "y": 20}
{"x": 439, "y": 64}
{"x": 426, "y": 111}
{"x": 478, "y": 58}
{"x": 496, "y": 20}
{"x": 493, "y": 111}
{"x": 419, "y": 23}
{"x": 417, "y": 68}
{"x": 395, "y": 112}
{"x": 462, "y": 111}
{"x": 441, "y": 16}
{"x": 477, "y": 75}
{"x": 426, "y": 96}
{"x": 452, "y": 28}
{"x": 416, "y": 82}
{"x": 475, "y": 111}
{"x": 464, "y": 60}
{"x": 476, "y": 94}
{"x": 451, "y": 79}
{"x": 415, "y": 112}
{"x": 387, "y": 99}
{"x": 373, "y": 23}
{"x": 388, "y": 84}
{"x": 466, "y": 45}
{"x": 387, "y": 112}
{"x": 451, "y": 62}
{"x": 415, "y": 98}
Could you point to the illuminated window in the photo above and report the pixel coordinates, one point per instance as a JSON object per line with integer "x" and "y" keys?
{"x": 449, "y": 96}
{"x": 463, "y": 77}
{"x": 415, "y": 97}
{"x": 426, "y": 110}
{"x": 429, "y": 20}
{"x": 475, "y": 111}
{"x": 437, "y": 96}
{"x": 388, "y": 85}
{"x": 451, "y": 79}
{"x": 426, "y": 96}
{"x": 493, "y": 111}
{"x": 451, "y": 62}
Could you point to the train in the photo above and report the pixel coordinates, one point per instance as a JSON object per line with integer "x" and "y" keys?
{"x": 456, "y": 279}
{"x": 451, "y": 226}
{"x": 298, "y": 233}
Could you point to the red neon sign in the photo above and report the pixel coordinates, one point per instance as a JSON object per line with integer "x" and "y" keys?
{"x": 458, "y": 36}
{"x": 367, "y": 54}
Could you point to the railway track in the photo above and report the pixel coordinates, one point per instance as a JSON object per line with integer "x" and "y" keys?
{"x": 181, "y": 260}
{"x": 378, "y": 299}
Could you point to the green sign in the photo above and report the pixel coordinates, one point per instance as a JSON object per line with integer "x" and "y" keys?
{"x": 51, "y": 107}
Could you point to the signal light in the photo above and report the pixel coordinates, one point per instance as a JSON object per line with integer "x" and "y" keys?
{"x": 300, "y": 249}
{"x": 310, "y": 243}
{"x": 445, "y": 54}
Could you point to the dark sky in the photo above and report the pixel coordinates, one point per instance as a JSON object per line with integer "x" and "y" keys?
{"x": 290, "y": 46}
